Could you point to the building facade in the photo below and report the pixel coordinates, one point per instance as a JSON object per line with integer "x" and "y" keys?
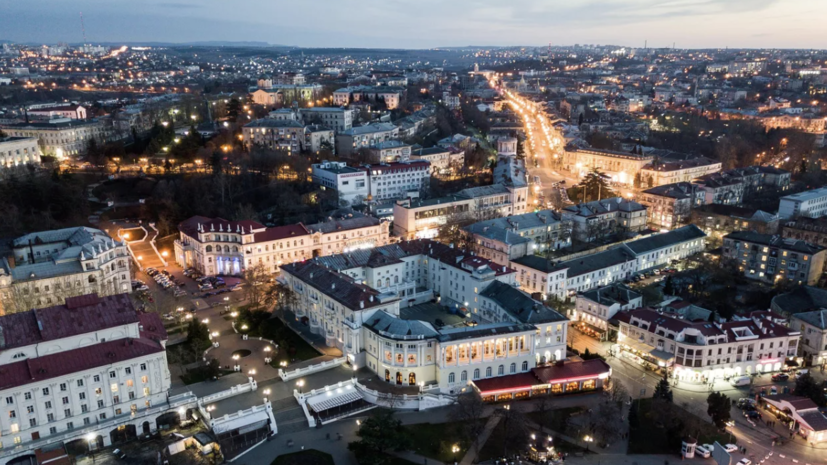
{"x": 770, "y": 258}
{"x": 63, "y": 137}
{"x": 670, "y": 205}
{"x": 809, "y": 204}
{"x": 601, "y": 218}
{"x": 505, "y": 239}
{"x": 49, "y": 266}
{"x": 16, "y": 151}
{"x": 813, "y": 328}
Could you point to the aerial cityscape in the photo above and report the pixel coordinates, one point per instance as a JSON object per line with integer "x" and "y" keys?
{"x": 597, "y": 237}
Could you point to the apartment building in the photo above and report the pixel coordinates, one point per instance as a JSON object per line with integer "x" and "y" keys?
{"x": 679, "y": 171}
{"x": 337, "y": 118}
{"x": 93, "y": 368}
{"x": 595, "y": 308}
{"x": 724, "y": 219}
{"x": 601, "y": 218}
{"x": 566, "y": 278}
{"x": 215, "y": 246}
{"x": 353, "y": 139}
{"x": 350, "y": 183}
{"x": 808, "y": 204}
{"x": 71, "y": 111}
{"x": 47, "y": 267}
{"x": 287, "y": 94}
{"x": 389, "y": 95}
{"x": 443, "y": 160}
{"x": 769, "y": 258}
{"x": 288, "y": 135}
{"x": 721, "y": 189}
{"x": 16, "y": 151}
{"x": 318, "y": 137}
{"x": 670, "y": 205}
{"x": 702, "y": 351}
{"x": 505, "y": 239}
{"x": 390, "y": 151}
{"x": 62, "y": 137}
{"x": 810, "y": 230}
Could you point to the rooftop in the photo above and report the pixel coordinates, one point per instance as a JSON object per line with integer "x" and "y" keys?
{"x": 774, "y": 241}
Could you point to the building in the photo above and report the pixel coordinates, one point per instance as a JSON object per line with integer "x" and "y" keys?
{"x": 337, "y": 118}
{"x": 620, "y": 166}
{"x": 807, "y": 420}
{"x": 811, "y": 230}
{"x": 357, "y": 308}
{"x": 274, "y": 134}
{"x": 757, "y": 179}
{"x": 723, "y": 219}
{"x": 389, "y": 151}
{"x": 350, "y": 183}
{"x": 505, "y": 239}
{"x": 16, "y": 151}
{"x": 699, "y": 351}
{"x": 601, "y": 218}
{"x": 71, "y": 111}
{"x": 769, "y": 258}
{"x": 813, "y": 328}
{"x": 93, "y": 369}
{"x": 319, "y": 137}
{"x": 565, "y": 377}
{"x": 287, "y": 94}
{"x": 353, "y": 139}
{"x": 594, "y": 309}
{"x": 800, "y": 299}
{"x": 721, "y": 189}
{"x": 507, "y": 146}
{"x": 443, "y": 160}
{"x": 566, "y": 278}
{"x": 670, "y": 205}
{"x": 679, "y": 171}
{"x": 809, "y": 204}
{"x": 389, "y": 181}
{"x": 63, "y": 137}
{"x": 47, "y": 267}
{"x": 390, "y": 96}
{"x": 215, "y": 246}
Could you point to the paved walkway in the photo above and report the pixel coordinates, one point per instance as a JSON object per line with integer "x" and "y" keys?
{"x": 472, "y": 452}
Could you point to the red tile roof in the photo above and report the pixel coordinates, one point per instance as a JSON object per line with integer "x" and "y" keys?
{"x": 83, "y": 314}
{"x": 190, "y": 225}
{"x": 152, "y": 327}
{"x": 282, "y": 232}
{"x": 571, "y": 371}
{"x": 76, "y": 360}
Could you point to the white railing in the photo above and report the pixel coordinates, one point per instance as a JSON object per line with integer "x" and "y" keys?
{"x": 310, "y": 369}
{"x": 152, "y": 243}
{"x": 421, "y": 401}
{"x": 233, "y": 391}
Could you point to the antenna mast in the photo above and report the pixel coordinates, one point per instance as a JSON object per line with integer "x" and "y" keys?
{"x": 83, "y": 28}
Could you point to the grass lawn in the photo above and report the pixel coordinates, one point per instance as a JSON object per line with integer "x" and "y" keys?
{"x": 651, "y": 437}
{"x": 304, "y": 457}
{"x": 555, "y": 419}
{"x": 494, "y": 446}
{"x": 435, "y": 440}
{"x": 291, "y": 346}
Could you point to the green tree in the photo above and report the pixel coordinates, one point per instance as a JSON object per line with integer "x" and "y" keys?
{"x": 595, "y": 186}
{"x": 663, "y": 391}
{"x": 634, "y": 419}
{"x": 637, "y": 180}
{"x": 379, "y": 434}
{"x": 718, "y": 408}
{"x": 668, "y": 287}
{"x": 807, "y": 386}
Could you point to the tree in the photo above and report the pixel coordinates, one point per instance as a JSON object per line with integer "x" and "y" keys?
{"x": 718, "y": 408}
{"x": 663, "y": 391}
{"x": 634, "y": 420}
{"x": 807, "y": 386}
{"x": 378, "y": 434}
{"x": 257, "y": 279}
{"x": 469, "y": 411}
{"x": 595, "y": 187}
{"x": 605, "y": 421}
{"x": 637, "y": 180}
{"x": 618, "y": 392}
{"x": 668, "y": 287}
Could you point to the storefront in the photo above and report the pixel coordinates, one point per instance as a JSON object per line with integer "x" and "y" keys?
{"x": 591, "y": 330}
{"x": 643, "y": 354}
{"x": 800, "y": 414}
{"x": 558, "y": 379}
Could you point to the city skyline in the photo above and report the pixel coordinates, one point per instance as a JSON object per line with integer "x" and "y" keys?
{"x": 706, "y": 24}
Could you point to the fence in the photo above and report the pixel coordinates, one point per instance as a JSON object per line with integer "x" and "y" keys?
{"x": 299, "y": 372}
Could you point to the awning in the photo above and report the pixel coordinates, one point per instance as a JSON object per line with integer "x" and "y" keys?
{"x": 638, "y": 346}
{"x": 593, "y": 327}
{"x": 661, "y": 355}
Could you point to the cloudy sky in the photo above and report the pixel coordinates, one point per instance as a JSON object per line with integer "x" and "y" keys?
{"x": 424, "y": 23}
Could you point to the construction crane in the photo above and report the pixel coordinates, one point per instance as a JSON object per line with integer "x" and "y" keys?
{"x": 83, "y": 28}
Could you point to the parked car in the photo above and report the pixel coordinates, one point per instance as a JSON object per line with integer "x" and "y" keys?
{"x": 708, "y": 447}
{"x": 780, "y": 377}
{"x": 745, "y": 461}
{"x": 205, "y": 287}
{"x": 752, "y": 414}
{"x": 703, "y": 452}
{"x": 800, "y": 373}
{"x": 731, "y": 447}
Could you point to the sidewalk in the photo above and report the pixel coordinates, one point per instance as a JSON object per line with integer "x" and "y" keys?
{"x": 471, "y": 455}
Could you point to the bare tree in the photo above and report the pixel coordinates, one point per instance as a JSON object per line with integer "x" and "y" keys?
{"x": 469, "y": 410}
{"x": 256, "y": 279}
{"x": 605, "y": 422}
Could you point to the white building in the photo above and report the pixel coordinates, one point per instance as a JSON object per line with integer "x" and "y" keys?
{"x": 337, "y": 118}
{"x": 701, "y": 351}
{"x": 73, "y": 111}
{"x": 389, "y": 181}
{"x": 357, "y": 307}
{"x": 217, "y": 246}
{"x": 505, "y": 239}
{"x": 596, "y": 307}
{"x": 15, "y": 151}
{"x": 443, "y": 160}
{"x": 813, "y": 328}
{"x": 600, "y": 218}
{"x": 50, "y": 266}
{"x": 90, "y": 370}
{"x": 350, "y": 183}
{"x": 564, "y": 279}
{"x": 288, "y": 135}
{"x": 811, "y": 204}
{"x": 390, "y": 151}
{"x": 61, "y": 137}
{"x": 360, "y": 137}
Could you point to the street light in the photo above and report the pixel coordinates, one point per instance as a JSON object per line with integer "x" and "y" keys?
{"x": 300, "y": 383}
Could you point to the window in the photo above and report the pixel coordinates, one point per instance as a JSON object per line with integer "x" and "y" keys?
{"x": 50, "y": 417}
{"x": 128, "y": 370}
{"x": 70, "y": 426}
{"x": 98, "y": 391}
{"x": 488, "y": 372}
{"x": 100, "y": 404}
{"x": 500, "y": 370}
{"x": 112, "y": 374}
{"x": 65, "y": 400}
{"x": 87, "y": 421}
{"x": 12, "y": 414}
{"x": 96, "y": 378}
{"x": 476, "y": 373}
{"x": 52, "y": 430}
{"x": 114, "y": 387}
{"x": 48, "y": 404}
{"x": 102, "y": 416}
{"x": 9, "y": 400}
{"x": 45, "y": 391}
{"x": 144, "y": 379}
{"x": 80, "y": 383}
{"x": 450, "y": 378}
{"x": 30, "y": 409}
{"x": 82, "y": 396}
{"x": 513, "y": 368}
{"x": 68, "y": 412}
{"x": 62, "y": 386}
{"x": 32, "y": 422}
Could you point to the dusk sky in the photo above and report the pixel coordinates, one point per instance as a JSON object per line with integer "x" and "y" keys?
{"x": 424, "y": 23}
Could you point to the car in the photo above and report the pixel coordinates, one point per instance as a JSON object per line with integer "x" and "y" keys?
{"x": 708, "y": 447}
{"x": 219, "y": 284}
{"x": 731, "y": 447}
{"x": 780, "y": 377}
{"x": 237, "y": 287}
{"x": 752, "y": 414}
{"x": 703, "y": 452}
{"x": 119, "y": 454}
{"x": 745, "y": 461}
{"x": 800, "y": 373}
{"x": 205, "y": 287}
